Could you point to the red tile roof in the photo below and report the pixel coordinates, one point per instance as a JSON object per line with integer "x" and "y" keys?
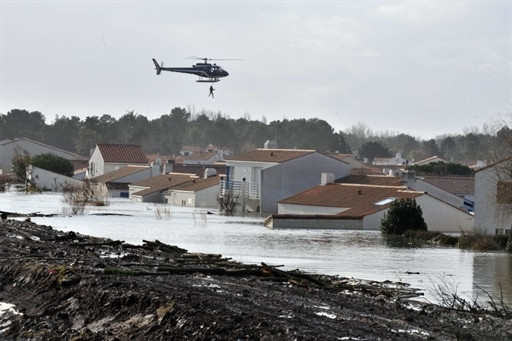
{"x": 357, "y": 199}
{"x": 383, "y": 180}
{"x": 161, "y": 182}
{"x": 119, "y": 173}
{"x": 79, "y": 164}
{"x": 198, "y": 184}
{"x": 271, "y": 155}
{"x": 123, "y": 153}
{"x": 197, "y": 169}
{"x": 200, "y": 156}
{"x": 458, "y": 185}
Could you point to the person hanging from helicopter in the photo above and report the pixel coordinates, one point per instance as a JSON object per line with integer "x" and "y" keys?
{"x": 211, "y": 91}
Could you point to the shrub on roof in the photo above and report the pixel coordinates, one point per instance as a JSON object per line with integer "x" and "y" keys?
{"x": 403, "y": 215}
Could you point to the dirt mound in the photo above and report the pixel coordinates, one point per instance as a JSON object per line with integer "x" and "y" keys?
{"x": 66, "y": 286}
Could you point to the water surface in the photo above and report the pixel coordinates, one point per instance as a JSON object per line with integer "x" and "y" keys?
{"x": 358, "y": 254}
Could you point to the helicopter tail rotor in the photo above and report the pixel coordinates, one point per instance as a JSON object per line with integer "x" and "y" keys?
{"x": 158, "y": 68}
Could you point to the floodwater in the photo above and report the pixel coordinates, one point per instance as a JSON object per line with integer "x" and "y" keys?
{"x": 359, "y": 254}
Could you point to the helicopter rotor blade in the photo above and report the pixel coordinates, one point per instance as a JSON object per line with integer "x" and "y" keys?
{"x": 207, "y": 59}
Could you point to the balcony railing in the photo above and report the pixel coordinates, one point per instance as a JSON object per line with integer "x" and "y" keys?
{"x": 252, "y": 189}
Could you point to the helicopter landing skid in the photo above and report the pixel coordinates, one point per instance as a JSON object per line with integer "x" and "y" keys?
{"x": 207, "y": 80}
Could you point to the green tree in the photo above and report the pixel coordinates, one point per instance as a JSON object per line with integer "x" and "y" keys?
{"x": 133, "y": 128}
{"x": 339, "y": 144}
{"x": 63, "y": 133}
{"x": 371, "y": 150}
{"x": 448, "y": 148}
{"x": 402, "y": 143}
{"x": 86, "y": 140}
{"x": 441, "y": 168}
{"x": 21, "y": 123}
{"x": 53, "y": 163}
{"x": 403, "y": 215}
{"x": 19, "y": 163}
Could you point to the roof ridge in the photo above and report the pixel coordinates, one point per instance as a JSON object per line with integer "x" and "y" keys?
{"x": 367, "y": 185}
{"x": 287, "y": 150}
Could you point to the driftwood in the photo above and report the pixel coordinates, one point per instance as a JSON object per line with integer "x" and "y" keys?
{"x": 157, "y": 245}
{"x": 5, "y": 214}
{"x": 154, "y": 258}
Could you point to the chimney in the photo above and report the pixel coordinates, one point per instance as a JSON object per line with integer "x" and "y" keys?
{"x": 209, "y": 172}
{"x": 270, "y": 144}
{"x": 409, "y": 177}
{"x": 326, "y": 178}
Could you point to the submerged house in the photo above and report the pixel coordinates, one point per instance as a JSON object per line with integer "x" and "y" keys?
{"x": 118, "y": 180}
{"x": 362, "y": 207}
{"x": 50, "y": 181}
{"x": 264, "y": 176}
{"x": 458, "y": 191}
{"x": 197, "y": 192}
{"x": 152, "y": 189}
{"x": 493, "y": 198}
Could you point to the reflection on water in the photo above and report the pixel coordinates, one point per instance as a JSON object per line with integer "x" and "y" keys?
{"x": 359, "y": 254}
{"x": 493, "y": 274}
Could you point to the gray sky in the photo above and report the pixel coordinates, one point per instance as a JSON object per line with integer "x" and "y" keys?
{"x": 423, "y": 68}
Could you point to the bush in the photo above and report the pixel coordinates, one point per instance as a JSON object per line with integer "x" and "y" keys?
{"x": 91, "y": 194}
{"x": 481, "y": 242}
{"x": 403, "y": 215}
{"x": 509, "y": 243}
{"x": 228, "y": 203}
{"x": 53, "y": 163}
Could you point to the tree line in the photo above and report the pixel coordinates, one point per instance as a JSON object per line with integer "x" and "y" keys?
{"x": 168, "y": 133}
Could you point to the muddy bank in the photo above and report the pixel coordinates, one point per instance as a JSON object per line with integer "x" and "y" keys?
{"x": 66, "y": 286}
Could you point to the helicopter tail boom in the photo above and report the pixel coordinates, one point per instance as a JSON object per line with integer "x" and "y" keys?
{"x": 158, "y": 68}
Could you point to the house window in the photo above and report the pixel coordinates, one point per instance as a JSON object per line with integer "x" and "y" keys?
{"x": 504, "y": 192}
{"x": 183, "y": 203}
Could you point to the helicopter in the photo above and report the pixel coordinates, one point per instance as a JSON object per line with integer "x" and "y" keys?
{"x": 207, "y": 72}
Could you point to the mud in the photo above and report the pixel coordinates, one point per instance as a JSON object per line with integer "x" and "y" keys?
{"x": 66, "y": 286}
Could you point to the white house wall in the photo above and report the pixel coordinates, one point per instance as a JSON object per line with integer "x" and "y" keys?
{"x": 438, "y": 215}
{"x": 134, "y": 189}
{"x": 181, "y": 198}
{"x": 205, "y": 198}
{"x": 294, "y": 176}
{"x": 96, "y": 163}
{"x": 442, "y": 217}
{"x": 373, "y": 221}
{"x": 155, "y": 197}
{"x": 246, "y": 169}
{"x": 110, "y": 167}
{"x": 327, "y": 224}
{"x": 307, "y": 209}
{"x": 490, "y": 217}
{"x": 51, "y": 181}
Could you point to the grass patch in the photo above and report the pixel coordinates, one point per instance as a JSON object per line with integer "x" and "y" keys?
{"x": 482, "y": 242}
{"x": 432, "y": 237}
{"x": 449, "y": 297}
{"x": 467, "y": 241}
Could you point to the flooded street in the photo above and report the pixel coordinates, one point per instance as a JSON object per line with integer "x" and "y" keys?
{"x": 359, "y": 254}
